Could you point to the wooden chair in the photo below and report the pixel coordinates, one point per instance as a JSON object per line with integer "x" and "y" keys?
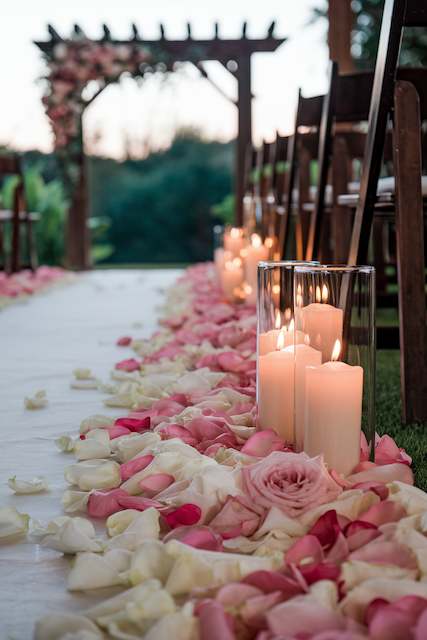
{"x": 402, "y": 97}
{"x": 307, "y": 123}
{"x": 18, "y": 217}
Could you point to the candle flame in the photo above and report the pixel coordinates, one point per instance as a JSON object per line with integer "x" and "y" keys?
{"x": 243, "y": 253}
{"x": 307, "y": 339}
{"x": 269, "y": 242}
{"x": 276, "y": 289}
{"x": 247, "y": 288}
{"x": 291, "y": 325}
{"x": 256, "y": 241}
{"x": 236, "y": 263}
{"x": 281, "y": 339}
{"x": 278, "y": 320}
{"x": 318, "y": 294}
{"x": 235, "y": 232}
{"x": 325, "y": 293}
{"x": 336, "y": 351}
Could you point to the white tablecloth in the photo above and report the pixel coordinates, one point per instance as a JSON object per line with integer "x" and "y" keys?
{"x": 41, "y": 342}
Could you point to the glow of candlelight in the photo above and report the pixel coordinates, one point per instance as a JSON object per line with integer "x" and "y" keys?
{"x": 336, "y": 351}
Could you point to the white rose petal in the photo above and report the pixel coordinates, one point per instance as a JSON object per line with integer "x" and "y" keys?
{"x": 84, "y": 384}
{"x": 83, "y": 374}
{"x": 36, "y": 485}
{"x": 94, "y": 422}
{"x": 12, "y": 523}
{"x": 355, "y": 572}
{"x": 96, "y": 445}
{"x": 144, "y": 527}
{"x": 37, "y": 401}
{"x": 414, "y": 500}
{"x": 178, "y": 626}
{"x": 128, "y": 447}
{"x": 74, "y": 500}
{"x": 107, "y": 608}
{"x": 151, "y": 560}
{"x": 94, "y": 474}
{"x": 92, "y": 571}
{"x": 71, "y": 535}
{"x": 60, "y": 626}
{"x": 65, "y": 443}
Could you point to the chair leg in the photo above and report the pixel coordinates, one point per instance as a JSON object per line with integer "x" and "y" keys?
{"x": 410, "y": 253}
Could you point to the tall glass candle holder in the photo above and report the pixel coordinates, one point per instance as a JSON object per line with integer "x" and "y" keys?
{"x": 275, "y": 347}
{"x": 334, "y": 362}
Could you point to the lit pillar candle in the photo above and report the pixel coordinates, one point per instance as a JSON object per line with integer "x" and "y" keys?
{"x": 255, "y": 252}
{"x": 333, "y": 413}
{"x": 304, "y": 356}
{"x": 322, "y": 323}
{"x": 276, "y": 391}
{"x": 267, "y": 340}
{"x": 231, "y": 277}
{"x": 234, "y": 241}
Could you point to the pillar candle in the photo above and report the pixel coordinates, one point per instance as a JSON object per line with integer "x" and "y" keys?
{"x": 234, "y": 241}
{"x": 255, "y": 252}
{"x": 267, "y": 341}
{"x": 323, "y": 325}
{"x": 276, "y": 392}
{"x": 304, "y": 356}
{"x": 231, "y": 277}
{"x": 333, "y": 414}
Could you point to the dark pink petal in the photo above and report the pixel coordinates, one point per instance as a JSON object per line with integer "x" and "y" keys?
{"x": 383, "y": 512}
{"x": 128, "y": 365}
{"x": 124, "y": 341}
{"x": 307, "y": 548}
{"x": 388, "y": 623}
{"x": 359, "y": 533}
{"x": 177, "y": 431}
{"x": 133, "y": 424}
{"x": 199, "y": 537}
{"x": 339, "y": 550}
{"x": 152, "y": 485}
{"x": 186, "y": 514}
{"x": 373, "y": 607}
{"x": 326, "y": 529}
{"x": 102, "y": 504}
{"x": 269, "y": 581}
{"x": 321, "y": 571}
{"x": 214, "y": 624}
{"x": 128, "y": 469}
{"x": 262, "y": 443}
{"x": 117, "y": 432}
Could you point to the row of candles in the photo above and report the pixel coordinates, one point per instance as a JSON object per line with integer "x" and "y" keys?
{"x": 305, "y": 391}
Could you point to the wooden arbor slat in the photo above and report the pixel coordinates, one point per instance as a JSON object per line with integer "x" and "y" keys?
{"x": 237, "y": 51}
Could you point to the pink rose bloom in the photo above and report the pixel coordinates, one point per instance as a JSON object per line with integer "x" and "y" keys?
{"x": 293, "y": 482}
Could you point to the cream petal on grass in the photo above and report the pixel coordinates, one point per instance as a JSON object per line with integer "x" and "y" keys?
{"x": 35, "y": 485}
{"x": 94, "y": 474}
{"x": 12, "y": 524}
{"x": 37, "y": 401}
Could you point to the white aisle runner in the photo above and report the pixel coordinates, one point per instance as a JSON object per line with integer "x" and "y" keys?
{"x": 41, "y": 342}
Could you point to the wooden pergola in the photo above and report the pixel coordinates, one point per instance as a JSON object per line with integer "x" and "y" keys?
{"x": 235, "y": 56}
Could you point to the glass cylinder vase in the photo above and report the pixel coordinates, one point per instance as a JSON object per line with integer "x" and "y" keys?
{"x": 275, "y": 347}
{"x": 334, "y": 362}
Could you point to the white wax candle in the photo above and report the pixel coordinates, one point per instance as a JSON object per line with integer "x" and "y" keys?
{"x": 231, "y": 277}
{"x": 304, "y": 356}
{"x": 276, "y": 393}
{"x": 234, "y": 241}
{"x": 255, "y": 252}
{"x": 333, "y": 414}
{"x": 323, "y": 324}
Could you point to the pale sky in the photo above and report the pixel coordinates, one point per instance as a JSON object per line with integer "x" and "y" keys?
{"x": 151, "y": 113}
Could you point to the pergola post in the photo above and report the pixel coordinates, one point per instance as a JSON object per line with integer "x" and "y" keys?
{"x": 340, "y": 17}
{"x": 244, "y": 130}
{"x": 77, "y": 229}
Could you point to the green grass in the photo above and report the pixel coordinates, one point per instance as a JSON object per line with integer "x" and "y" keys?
{"x": 412, "y": 437}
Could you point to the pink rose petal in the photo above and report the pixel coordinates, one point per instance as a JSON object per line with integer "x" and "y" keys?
{"x": 153, "y": 484}
{"x": 262, "y": 443}
{"x": 102, "y": 504}
{"x": 186, "y": 514}
{"x": 128, "y": 365}
{"x": 128, "y": 469}
{"x": 133, "y": 424}
{"x": 124, "y": 341}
